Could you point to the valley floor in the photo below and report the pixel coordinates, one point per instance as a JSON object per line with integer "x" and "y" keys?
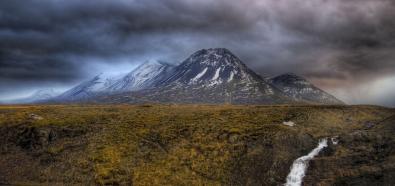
{"x": 193, "y": 144}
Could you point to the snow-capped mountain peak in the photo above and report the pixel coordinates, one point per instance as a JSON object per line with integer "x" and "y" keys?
{"x": 211, "y": 67}
{"x": 144, "y": 76}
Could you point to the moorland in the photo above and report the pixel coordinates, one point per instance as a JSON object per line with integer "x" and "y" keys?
{"x": 193, "y": 144}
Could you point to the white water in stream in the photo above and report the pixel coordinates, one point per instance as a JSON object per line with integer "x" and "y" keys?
{"x": 299, "y": 166}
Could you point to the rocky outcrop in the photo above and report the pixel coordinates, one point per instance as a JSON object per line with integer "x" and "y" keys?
{"x": 33, "y": 138}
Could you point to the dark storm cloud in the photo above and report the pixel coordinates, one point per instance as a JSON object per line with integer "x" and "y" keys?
{"x": 356, "y": 35}
{"x": 45, "y": 33}
{"x": 332, "y": 41}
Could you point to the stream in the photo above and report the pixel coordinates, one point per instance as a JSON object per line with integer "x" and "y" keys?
{"x": 299, "y": 166}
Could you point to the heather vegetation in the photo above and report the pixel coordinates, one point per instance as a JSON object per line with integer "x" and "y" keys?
{"x": 191, "y": 144}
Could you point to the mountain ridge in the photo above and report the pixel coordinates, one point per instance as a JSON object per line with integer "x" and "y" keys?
{"x": 212, "y": 75}
{"x": 41, "y": 95}
{"x": 144, "y": 76}
{"x": 301, "y": 89}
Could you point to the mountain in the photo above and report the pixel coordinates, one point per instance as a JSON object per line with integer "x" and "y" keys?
{"x": 43, "y": 94}
{"x": 144, "y": 76}
{"x": 300, "y": 89}
{"x": 212, "y": 67}
{"x": 87, "y": 89}
{"x": 208, "y": 76}
{"x": 38, "y": 96}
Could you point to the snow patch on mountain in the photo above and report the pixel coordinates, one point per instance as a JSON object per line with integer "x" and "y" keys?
{"x": 197, "y": 77}
{"x": 231, "y": 76}
{"x": 142, "y": 77}
{"x": 216, "y": 75}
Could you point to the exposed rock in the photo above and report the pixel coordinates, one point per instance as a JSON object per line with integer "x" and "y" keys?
{"x": 234, "y": 138}
{"x": 335, "y": 140}
{"x": 369, "y": 124}
{"x": 289, "y": 123}
{"x": 35, "y": 117}
{"x": 34, "y": 138}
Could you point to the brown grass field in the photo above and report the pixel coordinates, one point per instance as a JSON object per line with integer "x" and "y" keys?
{"x": 192, "y": 144}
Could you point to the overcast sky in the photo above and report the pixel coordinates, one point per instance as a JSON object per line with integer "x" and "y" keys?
{"x": 345, "y": 47}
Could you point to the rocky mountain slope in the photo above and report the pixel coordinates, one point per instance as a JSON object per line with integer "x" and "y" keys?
{"x": 212, "y": 67}
{"x": 207, "y": 76}
{"x": 300, "y": 89}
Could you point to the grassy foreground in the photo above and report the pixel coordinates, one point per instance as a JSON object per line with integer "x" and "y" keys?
{"x": 191, "y": 144}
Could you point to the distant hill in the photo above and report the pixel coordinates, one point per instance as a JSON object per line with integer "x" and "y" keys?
{"x": 41, "y": 95}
